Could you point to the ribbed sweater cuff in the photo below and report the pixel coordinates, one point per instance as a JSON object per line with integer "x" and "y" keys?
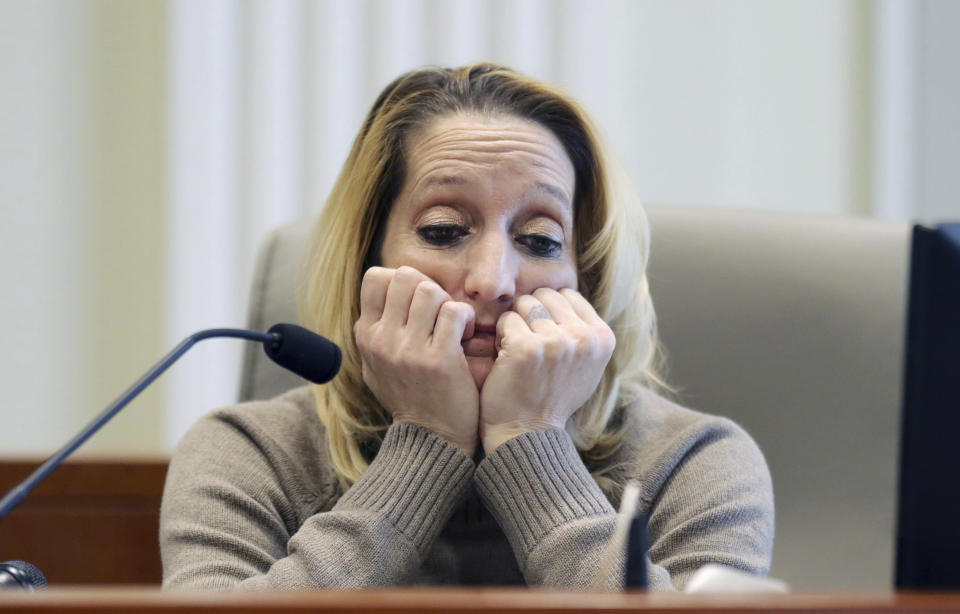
{"x": 535, "y": 483}
{"x": 415, "y": 481}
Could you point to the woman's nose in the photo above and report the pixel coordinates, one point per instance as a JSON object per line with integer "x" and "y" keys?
{"x": 491, "y": 274}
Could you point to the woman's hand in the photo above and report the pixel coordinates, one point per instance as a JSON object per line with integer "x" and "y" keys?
{"x": 553, "y": 350}
{"x": 409, "y": 335}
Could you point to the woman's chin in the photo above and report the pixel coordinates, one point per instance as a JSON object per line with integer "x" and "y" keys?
{"x": 480, "y": 368}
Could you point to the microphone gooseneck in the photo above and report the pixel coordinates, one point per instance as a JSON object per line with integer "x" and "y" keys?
{"x": 305, "y": 353}
{"x": 20, "y": 575}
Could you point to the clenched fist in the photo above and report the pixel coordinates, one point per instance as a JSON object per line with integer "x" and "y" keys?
{"x": 553, "y": 349}
{"x": 409, "y": 336}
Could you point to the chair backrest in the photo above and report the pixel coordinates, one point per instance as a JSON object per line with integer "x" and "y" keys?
{"x": 793, "y": 326}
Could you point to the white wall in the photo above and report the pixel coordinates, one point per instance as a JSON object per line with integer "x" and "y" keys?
{"x": 756, "y": 104}
{"x": 81, "y": 190}
{"x": 42, "y": 301}
{"x": 938, "y": 98}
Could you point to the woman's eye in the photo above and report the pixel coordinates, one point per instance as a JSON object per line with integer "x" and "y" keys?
{"x": 540, "y": 245}
{"x": 442, "y": 234}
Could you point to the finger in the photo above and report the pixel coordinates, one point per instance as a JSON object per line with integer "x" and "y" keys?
{"x": 511, "y": 325}
{"x": 373, "y": 292}
{"x": 582, "y": 307}
{"x": 559, "y": 307}
{"x": 427, "y": 298}
{"x": 455, "y": 322}
{"x": 399, "y": 294}
{"x": 534, "y": 313}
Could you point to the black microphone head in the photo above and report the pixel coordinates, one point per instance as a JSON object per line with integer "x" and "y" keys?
{"x": 21, "y": 575}
{"x": 306, "y": 353}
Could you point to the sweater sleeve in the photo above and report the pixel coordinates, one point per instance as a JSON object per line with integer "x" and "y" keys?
{"x": 712, "y": 503}
{"x": 228, "y": 520}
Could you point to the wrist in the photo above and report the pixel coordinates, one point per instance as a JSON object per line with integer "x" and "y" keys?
{"x": 492, "y": 436}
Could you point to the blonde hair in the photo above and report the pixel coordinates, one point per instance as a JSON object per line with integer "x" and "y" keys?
{"x": 612, "y": 243}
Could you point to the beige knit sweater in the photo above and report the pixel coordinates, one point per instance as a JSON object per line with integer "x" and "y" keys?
{"x": 252, "y": 501}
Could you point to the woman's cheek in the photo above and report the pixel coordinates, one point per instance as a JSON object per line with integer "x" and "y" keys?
{"x": 438, "y": 266}
{"x": 549, "y": 273}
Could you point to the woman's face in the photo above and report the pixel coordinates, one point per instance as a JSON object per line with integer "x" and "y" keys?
{"x": 486, "y": 211}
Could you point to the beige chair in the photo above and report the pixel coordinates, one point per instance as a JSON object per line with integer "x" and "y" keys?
{"x": 792, "y": 325}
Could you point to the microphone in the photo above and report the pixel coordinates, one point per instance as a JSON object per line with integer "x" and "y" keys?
{"x": 306, "y": 353}
{"x": 293, "y": 347}
{"x": 20, "y": 575}
{"x": 636, "y": 553}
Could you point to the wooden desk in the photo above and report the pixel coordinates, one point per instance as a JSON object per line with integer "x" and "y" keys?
{"x": 90, "y": 522}
{"x": 461, "y": 601}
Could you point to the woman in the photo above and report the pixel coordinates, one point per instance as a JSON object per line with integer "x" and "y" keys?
{"x": 476, "y": 263}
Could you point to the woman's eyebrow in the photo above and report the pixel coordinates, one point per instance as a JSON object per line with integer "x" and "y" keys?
{"x": 444, "y": 180}
{"x": 553, "y": 191}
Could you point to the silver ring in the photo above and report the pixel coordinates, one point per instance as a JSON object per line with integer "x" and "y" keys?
{"x": 538, "y": 313}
